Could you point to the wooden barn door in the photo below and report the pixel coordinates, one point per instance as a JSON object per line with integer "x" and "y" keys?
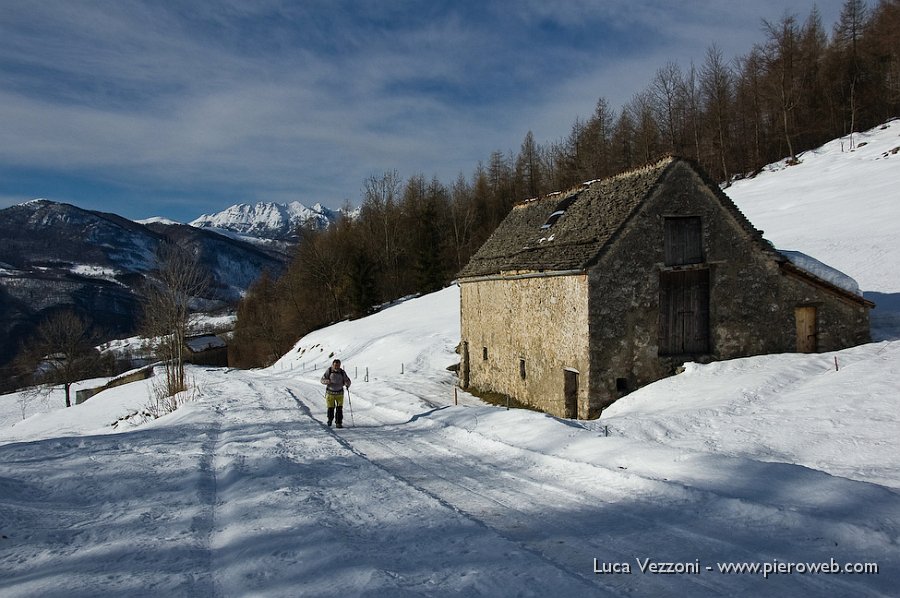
{"x": 571, "y": 393}
{"x": 684, "y": 312}
{"x": 807, "y": 335}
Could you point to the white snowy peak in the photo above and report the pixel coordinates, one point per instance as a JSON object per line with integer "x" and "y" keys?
{"x": 267, "y": 219}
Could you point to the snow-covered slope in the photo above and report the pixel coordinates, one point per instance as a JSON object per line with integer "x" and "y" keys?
{"x": 157, "y": 220}
{"x": 764, "y": 464}
{"x": 245, "y": 491}
{"x": 839, "y": 205}
{"x": 55, "y": 256}
{"x": 267, "y": 220}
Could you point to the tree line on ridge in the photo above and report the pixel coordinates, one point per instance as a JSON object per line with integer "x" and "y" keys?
{"x": 794, "y": 91}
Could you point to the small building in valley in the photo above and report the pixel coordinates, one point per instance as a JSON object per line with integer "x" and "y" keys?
{"x": 206, "y": 349}
{"x": 581, "y": 297}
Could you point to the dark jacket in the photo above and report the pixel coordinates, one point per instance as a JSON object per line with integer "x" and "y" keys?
{"x": 335, "y": 380}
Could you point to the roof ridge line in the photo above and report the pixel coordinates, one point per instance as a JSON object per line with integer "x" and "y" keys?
{"x": 637, "y": 170}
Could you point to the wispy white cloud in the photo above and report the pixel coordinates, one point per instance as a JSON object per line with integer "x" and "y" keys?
{"x": 304, "y": 100}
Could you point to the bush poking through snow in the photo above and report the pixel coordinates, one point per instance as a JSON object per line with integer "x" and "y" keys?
{"x": 163, "y": 402}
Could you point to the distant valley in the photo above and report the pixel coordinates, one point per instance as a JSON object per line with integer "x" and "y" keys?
{"x": 56, "y": 256}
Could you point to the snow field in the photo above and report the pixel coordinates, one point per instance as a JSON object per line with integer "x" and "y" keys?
{"x": 244, "y": 491}
{"x": 839, "y": 205}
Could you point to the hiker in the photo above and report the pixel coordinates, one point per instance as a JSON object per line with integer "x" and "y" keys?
{"x": 335, "y": 379}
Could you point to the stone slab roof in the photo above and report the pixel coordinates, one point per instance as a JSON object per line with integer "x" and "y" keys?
{"x": 596, "y": 211}
{"x": 566, "y": 232}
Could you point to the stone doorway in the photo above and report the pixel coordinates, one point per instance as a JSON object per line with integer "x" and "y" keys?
{"x": 570, "y": 390}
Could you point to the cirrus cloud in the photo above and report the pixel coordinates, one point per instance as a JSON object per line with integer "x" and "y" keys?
{"x": 182, "y": 106}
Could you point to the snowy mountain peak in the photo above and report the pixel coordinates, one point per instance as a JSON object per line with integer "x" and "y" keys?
{"x": 267, "y": 219}
{"x": 774, "y": 474}
{"x": 157, "y": 220}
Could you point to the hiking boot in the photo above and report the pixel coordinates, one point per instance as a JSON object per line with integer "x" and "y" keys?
{"x": 329, "y": 425}
{"x": 340, "y": 425}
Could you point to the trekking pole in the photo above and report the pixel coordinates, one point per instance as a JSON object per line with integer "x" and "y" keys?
{"x": 350, "y": 404}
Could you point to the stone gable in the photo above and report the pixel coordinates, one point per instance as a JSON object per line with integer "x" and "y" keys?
{"x": 588, "y": 295}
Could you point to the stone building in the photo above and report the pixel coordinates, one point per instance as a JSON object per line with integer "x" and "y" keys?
{"x": 581, "y": 297}
{"x": 206, "y": 349}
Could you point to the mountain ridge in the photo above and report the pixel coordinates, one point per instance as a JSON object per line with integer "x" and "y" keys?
{"x": 56, "y": 256}
{"x": 268, "y": 220}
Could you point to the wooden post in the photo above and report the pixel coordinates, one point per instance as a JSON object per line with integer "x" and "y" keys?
{"x": 455, "y": 396}
{"x": 835, "y": 363}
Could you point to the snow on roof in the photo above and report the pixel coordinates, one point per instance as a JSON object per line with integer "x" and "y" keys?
{"x": 822, "y": 271}
{"x": 205, "y": 342}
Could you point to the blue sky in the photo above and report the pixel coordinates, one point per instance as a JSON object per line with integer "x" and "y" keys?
{"x": 176, "y": 109}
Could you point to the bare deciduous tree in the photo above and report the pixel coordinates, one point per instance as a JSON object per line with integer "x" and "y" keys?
{"x": 717, "y": 89}
{"x": 62, "y": 352}
{"x": 666, "y": 100}
{"x": 179, "y": 278}
{"x": 781, "y": 54}
{"x": 380, "y": 212}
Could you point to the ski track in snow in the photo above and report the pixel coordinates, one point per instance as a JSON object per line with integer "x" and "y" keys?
{"x": 81, "y": 519}
{"x": 245, "y": 491}
{"x": 612, "y": 515}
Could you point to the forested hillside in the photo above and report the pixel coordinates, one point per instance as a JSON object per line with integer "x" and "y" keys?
{"x": 804, "y": 85}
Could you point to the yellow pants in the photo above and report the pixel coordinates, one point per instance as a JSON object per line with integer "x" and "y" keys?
{"x": 334, "y": 398}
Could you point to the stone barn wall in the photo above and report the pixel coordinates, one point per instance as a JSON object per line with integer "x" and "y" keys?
{"x": 841, "y": 321}
{"x": 542, "y": 321}
{"x": 752, "y": 299}
{"x": 634, "y": 311}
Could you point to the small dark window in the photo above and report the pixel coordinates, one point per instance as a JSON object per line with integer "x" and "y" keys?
{"x": 522, "y": 369}
{"x": 622, "y": 386}
{"x": 683, "y": 241}
{"x": 561, "y": 208}
{"x": 552, "y": 219}
{"x": 484, "y": 353}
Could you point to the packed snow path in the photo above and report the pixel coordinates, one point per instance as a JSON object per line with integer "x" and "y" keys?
{"x": 246, "y": 491}
{"x": 569, "y": 512}
{"x": 247, "y": 494}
